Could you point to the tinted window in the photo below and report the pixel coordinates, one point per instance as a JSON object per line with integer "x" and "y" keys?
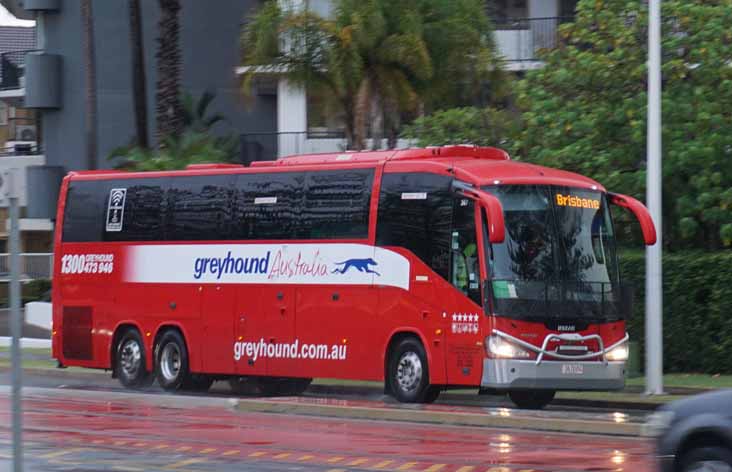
{"x": 84, "y": 213}
{"x": 415, "y": 212}
{"x": 269, "y": 206}
{"x": 200, "y": 208}
{"x": 337, "y": 204}
{"x": 144, "y": 209}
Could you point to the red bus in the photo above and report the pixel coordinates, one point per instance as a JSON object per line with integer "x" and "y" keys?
{"x": 427, "y": 269}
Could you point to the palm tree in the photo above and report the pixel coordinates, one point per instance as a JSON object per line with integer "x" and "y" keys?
{"x": 90, "y": 75}
{"x": 377, "y": 58}
{"x": 139, "y": 84}
{"x": 169, "y": 109}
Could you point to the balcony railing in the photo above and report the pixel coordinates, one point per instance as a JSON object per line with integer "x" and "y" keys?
{"x": 12, "y": 69}
{"x": 520, "y": 39}
{"x": 32, "y": 266}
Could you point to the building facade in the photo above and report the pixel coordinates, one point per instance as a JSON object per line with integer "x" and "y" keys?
{"x": 280, "y": 119}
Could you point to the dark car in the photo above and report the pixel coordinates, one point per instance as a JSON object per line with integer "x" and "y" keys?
{"x": 694, "y": 434}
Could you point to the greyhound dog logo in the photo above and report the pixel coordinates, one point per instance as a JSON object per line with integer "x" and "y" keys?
{"x": 362, "y": 265}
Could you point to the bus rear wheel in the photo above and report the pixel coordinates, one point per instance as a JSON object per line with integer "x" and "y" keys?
{"x": 130, "y": 362}
{"x": 409, "y": 373}
{"x": 172, "y": 361}
{"x": 531, "y": 399}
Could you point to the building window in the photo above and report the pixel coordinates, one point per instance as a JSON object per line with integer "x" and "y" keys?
{"x": 4, "y": 111}
{"x": 325, "y": 118}
{"x": 503, "y": 11}
{"x": 567, "y": 8}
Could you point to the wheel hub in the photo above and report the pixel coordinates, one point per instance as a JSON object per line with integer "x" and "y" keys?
{"x": 409, "y": 372}
{"x": 130, "y": 357}
{"x": 170, "y": 362}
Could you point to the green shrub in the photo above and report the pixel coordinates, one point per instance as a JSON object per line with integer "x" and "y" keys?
{"x": 697, "y": 309}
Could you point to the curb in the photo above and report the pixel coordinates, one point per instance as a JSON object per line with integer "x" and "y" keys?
{"x": 500, "y": 418}
{"x": 474, "y": 400}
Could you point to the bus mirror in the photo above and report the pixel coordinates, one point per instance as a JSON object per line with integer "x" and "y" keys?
{"x": 494, "y": 211}
{"x": 641, "y": 214}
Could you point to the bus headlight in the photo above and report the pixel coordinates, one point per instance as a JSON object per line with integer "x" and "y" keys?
{"x": 618, "y": 353}
{"x": 500, "y": 348}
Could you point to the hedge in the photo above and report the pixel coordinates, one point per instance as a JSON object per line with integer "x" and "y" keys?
{"x": 697, "y": 309}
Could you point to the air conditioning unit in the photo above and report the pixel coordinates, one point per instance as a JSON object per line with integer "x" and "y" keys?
{"x": 26, "y": 133}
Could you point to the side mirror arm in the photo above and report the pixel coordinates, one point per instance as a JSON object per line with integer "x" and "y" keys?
{"x": 640, "y": 212}
{"x": 492, "y": 207}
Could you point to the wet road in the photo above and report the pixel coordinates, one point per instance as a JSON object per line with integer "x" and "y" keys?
{"x": 82, "y": 430}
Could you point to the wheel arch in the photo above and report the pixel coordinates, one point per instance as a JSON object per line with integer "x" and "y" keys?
{"x": 708, "y": 437}
{"x": 436, "y": 375}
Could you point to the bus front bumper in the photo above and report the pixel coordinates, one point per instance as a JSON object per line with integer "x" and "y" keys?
{"x": 506, "y": 374}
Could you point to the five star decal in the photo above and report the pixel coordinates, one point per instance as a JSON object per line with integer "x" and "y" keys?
{"x": 465, "y": 323}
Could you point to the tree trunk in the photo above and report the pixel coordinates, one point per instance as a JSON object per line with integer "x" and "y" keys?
{"x": 362, "y": 114}
{"x": 169, "y": 108}
{"x": 377, "y": 121}
{"x": 90, "y": 76}
{"x": 139, "y": 84}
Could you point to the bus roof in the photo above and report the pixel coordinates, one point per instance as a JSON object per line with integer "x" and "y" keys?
{"x": 477, "y": 165}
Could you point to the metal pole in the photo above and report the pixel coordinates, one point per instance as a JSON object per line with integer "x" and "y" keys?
{"x": 654, "y": 274}
{"x": 16, "y": 323}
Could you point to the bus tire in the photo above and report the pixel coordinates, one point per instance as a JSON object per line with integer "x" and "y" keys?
{"x": 172, "y": 361}
{"x": 531, "y": 399}
{"x": 130, "y": 361}
{"x": 433, "y": 392}
{"x": 409, "y": 372}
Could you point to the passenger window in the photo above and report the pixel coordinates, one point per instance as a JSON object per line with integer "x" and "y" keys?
{"x": 337, "y": 204}
{"x": 84, "y": 212}
{"x": 465, "y": 267}
{"x": 415, "y": 212}
{"x": 200, "y": 208}
{"x": 145, "y": 209}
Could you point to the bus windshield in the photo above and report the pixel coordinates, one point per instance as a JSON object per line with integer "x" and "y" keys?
{"x": 559, "y": 248}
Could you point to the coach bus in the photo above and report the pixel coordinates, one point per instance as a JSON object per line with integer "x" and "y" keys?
{"x": 427, "y": 269}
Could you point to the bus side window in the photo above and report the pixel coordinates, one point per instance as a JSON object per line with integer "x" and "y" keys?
{"x": 465, "y": 270}
{"x": 415, "y": 212}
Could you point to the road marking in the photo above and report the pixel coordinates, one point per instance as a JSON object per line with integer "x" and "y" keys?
{"x": 208, "y": 450}
{"x": 465, "y": 468}
{"x": 52, "y": 455}
{"x": 334, "y": 459}
{"x": 337, "y": 470}
{"x": 184, "y": 448}
{"x": 282, "y": 456}
{"x": 406, "y": 466}
{"x": 161, "y": 446}
{"x": 140, "y": 444}
{"x": 357, "y": 462}
{"x": 183, "y": 463}
{"x": 232, "y": 452}
{"x": 305, "y": 458}
{"x": 500, "y": 469}
{"x": 127, "y": 468}
{"x": 257, "y": 454}
{"x": 382, "y": 464}
{"x": 98, "y": 441}
{"x": 120, "y": 443}
{"x": 5, "y": 456}
{"x": 434, "y": 468}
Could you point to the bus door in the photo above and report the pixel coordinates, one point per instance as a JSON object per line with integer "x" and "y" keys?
{"x": 464, "y": 315}
{"x": 217, "y": 312}
{"x": 252, "y": 334}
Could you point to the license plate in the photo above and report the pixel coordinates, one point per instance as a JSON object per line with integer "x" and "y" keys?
{"x": 573, "y": 369}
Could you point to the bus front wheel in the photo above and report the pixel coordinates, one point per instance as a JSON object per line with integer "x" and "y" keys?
{"x": 409, "y": 373}
{"x": 130, "y": 361}
{"x": 172, "y": 361}
{"x": 531, "y": 399}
